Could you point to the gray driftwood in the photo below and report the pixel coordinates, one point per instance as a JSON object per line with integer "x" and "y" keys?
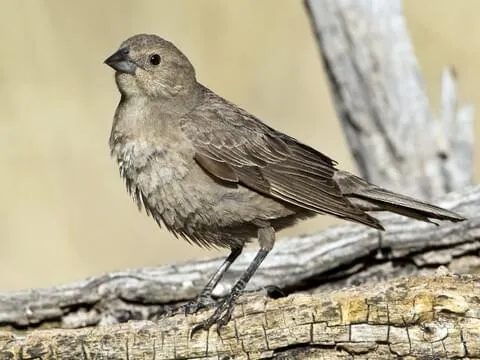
{"x": 385, "y": 113}
{"x": 396, "y": 140}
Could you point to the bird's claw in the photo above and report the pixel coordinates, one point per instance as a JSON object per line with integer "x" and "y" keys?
{"x": 221, "y": 316}
{"x": 193, "y": 306}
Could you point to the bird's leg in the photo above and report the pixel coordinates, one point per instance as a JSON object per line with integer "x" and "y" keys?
{"x": 223, "y": 312}
{"x": 205, "y": 297}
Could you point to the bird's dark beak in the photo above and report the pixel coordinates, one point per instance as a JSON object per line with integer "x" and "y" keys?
{"x": 121, "y": 62}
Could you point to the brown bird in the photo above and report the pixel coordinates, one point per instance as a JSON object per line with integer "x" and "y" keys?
{"x": 216, "y": 175}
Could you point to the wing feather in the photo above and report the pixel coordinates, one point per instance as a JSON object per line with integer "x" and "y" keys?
{"x": 234, "y": 146}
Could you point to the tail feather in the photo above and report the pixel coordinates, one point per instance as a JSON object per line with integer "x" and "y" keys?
{"x": 369, "y": 197}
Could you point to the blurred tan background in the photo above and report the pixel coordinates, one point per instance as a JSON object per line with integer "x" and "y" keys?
{"x": 64, "y": 213}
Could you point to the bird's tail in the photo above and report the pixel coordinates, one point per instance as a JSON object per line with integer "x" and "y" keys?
{"x": 369, "y": 197}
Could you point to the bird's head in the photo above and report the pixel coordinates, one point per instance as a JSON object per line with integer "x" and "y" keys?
{"x": 148, "y": 65}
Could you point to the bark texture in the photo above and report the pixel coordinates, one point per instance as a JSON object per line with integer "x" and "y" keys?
{"x": 421, "y": 317}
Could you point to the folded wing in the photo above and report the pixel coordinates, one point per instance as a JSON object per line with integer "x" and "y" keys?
{"x": 233, "y": 146}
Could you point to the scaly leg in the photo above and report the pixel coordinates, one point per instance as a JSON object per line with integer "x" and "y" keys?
{"x": 223, "y": 312}
{"x": 205, "y": 297}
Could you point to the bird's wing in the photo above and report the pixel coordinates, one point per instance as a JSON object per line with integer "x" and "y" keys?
{"x": 233, "y": 146}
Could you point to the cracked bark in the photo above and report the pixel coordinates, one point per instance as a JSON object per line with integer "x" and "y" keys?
{"x": 382, "y": 104}
{"x": 421, "y": 317}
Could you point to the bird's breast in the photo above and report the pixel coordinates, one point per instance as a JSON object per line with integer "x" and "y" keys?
{"x": 179, "y": 194}
{"x": 156, "y": 177}
{"x": 150, "y": 165}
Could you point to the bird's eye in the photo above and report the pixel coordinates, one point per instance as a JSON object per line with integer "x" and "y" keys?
{"x": 155, "y": 59}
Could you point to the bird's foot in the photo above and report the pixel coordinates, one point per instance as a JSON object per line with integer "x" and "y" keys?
{"x": 221, "y": 316}
{"x": 193, "y": 306}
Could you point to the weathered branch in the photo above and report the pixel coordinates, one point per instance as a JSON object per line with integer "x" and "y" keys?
{"x": 333, "y": 258}
{"x": 382, "y": 103}
{"x": 422, "y": 317}
{"x": 457, "y": 125}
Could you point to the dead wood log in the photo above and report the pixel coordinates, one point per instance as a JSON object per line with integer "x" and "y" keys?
{"x": 422, "y": 317}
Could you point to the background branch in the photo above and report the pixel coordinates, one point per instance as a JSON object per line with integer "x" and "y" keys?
{"x": 382, "y": 104}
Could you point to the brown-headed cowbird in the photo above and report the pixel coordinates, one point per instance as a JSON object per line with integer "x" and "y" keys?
{"x": 216, "y": 175}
